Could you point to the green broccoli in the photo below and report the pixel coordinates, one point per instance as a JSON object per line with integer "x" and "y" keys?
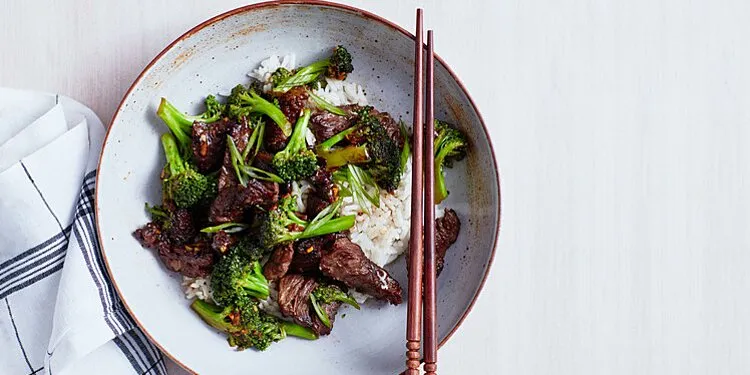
{"x": 340, "y": 63}
{"x": 243, "y": 102}
{"x": 247, "y": 326}
{"x": 329, "y": 293}
{"x": 450, "y": 146}
{"x": 337, "y": 66}
{"x": 379, "y": 155}
{"x": 181, "y": 124}
{"x": 282, "y": 225}
{"x": 280, "y": 75}
{"x": 296, "y": 161}
{"x": 325, "y": 294}
{"x": 236, "y": 277}
{"x": 181, "y": 183}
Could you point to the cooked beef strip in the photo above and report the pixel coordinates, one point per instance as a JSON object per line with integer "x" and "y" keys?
{"x": 209, "y": 143}
{"x": 263, "y": 161}
{"x": 324, "y": 124}
{"x": 278, "y": 263}
{"x": 232, "y": 201}
{"x": 307, "y": 253}
{"x": 446, "y": 233}
{"x": 348, "y": 264}
{"x": 192, "y": 260}
{"x": 294, "y": 302}
{"x": 275, "y": 140}
{"x": 233, "y": 198}
{"x": 223, "y": 241}
{"x": 292, "y": 102}
{"x": 182, "y": 229}
{"x": 323, "y": 192}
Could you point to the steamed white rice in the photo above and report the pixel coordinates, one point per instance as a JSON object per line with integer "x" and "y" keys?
{"x": 383, "y": 234}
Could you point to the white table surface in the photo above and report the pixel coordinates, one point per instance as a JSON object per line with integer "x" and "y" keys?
{"x": 620, "y": 129}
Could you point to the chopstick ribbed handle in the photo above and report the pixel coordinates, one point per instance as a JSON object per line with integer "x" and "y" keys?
{"x": 412, "y": 357}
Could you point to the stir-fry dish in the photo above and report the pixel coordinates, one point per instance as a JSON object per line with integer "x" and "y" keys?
{"x": 283, "y": 201}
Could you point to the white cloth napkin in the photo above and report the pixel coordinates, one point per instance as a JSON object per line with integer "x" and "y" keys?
{"x": 59, "y": 314}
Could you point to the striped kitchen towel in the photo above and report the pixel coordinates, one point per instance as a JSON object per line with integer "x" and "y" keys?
{"x": 59, "y": 313}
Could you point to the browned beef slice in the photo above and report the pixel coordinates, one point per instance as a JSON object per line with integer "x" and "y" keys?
{"x": 324, "y": 124}
{"x": 182, "y": 229}
{"x": 223, "y": 241}
{"x": 446, "y": 233}
{"x": 192, "y": 260}
{"x": 278, "y": 263}
{"x": 231, "y": 202}
{"x": 233, "y": 198}
{"x": 209, "y": 143}
{"x": 322, "y": 194}
{"x": 292, "y": 102}
{"x": 275, "y": 140}
{"x": 307, "y": 255}
{"x": 348, "y": 264}
{"x": 294, "y": 302}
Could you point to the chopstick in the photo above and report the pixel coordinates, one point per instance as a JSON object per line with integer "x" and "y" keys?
{"x": 430, "y": 306}
{"x": 422, "y": 254}
{"x": 414, "y": 308}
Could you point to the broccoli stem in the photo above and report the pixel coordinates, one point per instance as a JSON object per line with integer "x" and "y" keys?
{"x": 336, "y": 138}
{"x": 177, "y": 122}
{"x": 406, "y": 150}
{"x": 441, "y": 191}
{"x": 297, "y": 330}
{"x": 258, "y": 104}
{"x": 212, "y": 314}
{"x": 256, "y": 284}
{"x": 303, "y": 76}
{"x": 349, "y": 301}
{"x": 297, "y": 141}
{"x": 172, "y": 152}
{"x": 345, "y": 155}
{"x": 156, "y": 212}
{"x": 320, "y": 311}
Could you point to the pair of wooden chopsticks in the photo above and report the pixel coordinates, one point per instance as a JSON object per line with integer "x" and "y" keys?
{"x": 422, "y": 258}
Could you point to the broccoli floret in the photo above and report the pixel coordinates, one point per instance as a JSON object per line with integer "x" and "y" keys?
{"x": 181, "y": 124}
{"x": 237, "y": 277}
{"x": 329, "y": 293}
{"x": 280, "y": 75}
{"x": 325, "y": 294}
{"x": 340, "y": 63}
{"x": 243, "y": 102}
{"x": 250, "y": 248}
{"x": 379, "y": 155}
{"x": 296, "y": 161}
{"x": 450, "y": 146}
{"x": 337, "y": 66}
{"x": 181, "y": 183}
{"x": 281, "y": 224}
{"x": 245, "y": 325}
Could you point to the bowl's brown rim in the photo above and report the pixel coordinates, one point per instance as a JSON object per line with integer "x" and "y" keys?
{"x": 269, "y": 4}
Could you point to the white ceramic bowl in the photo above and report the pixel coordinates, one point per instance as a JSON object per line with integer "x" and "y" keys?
{"x": 215, "y": 56}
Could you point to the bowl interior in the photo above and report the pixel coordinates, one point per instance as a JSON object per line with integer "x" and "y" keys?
{"x": 214, "y": 58}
